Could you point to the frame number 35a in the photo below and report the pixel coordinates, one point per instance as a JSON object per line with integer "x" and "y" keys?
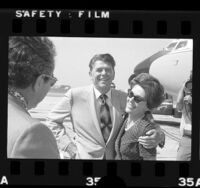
{"x": 189, "y": 182}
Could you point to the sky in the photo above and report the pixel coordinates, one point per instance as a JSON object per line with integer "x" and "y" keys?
{"x": 74, "y": 54}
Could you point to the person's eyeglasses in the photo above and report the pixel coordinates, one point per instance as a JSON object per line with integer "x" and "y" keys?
{"x": 54, "y": 79}
{"x": 137, "y": 99}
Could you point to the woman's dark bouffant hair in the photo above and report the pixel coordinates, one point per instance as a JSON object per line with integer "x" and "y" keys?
{"x": 153, "y": 89}
{"x": 28, "y": 58}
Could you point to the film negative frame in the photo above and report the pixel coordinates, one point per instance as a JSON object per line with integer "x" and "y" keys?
{"x": 119, "y": 24}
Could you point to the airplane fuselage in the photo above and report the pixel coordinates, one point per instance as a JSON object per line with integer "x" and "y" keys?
{"x": 172, "y": 67}
{"x": 173, "y": 70}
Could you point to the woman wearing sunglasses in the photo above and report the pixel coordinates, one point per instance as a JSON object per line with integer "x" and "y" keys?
{"x": 145, "y": 94}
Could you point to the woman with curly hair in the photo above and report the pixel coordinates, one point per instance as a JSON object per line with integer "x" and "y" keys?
{"x": 30, "y": 76}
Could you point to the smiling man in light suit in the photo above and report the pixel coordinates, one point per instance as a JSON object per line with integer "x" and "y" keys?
{"x": 87, "y": 120}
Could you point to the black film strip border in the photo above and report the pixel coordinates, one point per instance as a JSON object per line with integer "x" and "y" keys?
{"x": 39, "y": 171}
{"x": 113, "y": 27}
{"x": 69, "y": 172}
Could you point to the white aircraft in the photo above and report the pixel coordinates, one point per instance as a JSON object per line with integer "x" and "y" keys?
{"x": 172, "y": 65}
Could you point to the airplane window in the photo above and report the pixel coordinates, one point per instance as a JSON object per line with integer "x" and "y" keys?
{"x": 181, "y": 44}
{"x": 171, "y": 46}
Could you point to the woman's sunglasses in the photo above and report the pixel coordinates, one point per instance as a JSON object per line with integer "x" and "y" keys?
{"x": 137, "y": 99}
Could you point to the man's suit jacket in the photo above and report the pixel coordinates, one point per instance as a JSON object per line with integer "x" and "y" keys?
{"x": 27, "y": 137}
{"x": 75, "y": 119}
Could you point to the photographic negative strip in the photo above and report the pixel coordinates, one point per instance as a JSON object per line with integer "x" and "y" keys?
{"x": 99, "y": 97}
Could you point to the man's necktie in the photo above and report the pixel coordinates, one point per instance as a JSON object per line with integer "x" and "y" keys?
{"x": 105, "y": 118}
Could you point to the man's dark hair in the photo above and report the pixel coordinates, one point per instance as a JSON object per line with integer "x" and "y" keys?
{"x": 107, "y": 58}
{"x": 29, "y": 57}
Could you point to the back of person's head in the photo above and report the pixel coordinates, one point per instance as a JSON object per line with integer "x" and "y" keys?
{"x": 28, "y": 58}
{"x": 153, "y": 89}
{"x": 107, "y": 58}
